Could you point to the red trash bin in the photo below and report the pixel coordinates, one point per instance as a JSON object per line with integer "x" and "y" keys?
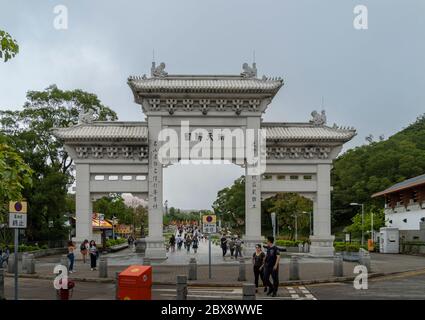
{"x": 135, "y": 283}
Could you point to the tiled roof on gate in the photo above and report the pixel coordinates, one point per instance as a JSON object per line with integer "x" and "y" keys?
{"x": 303, "y": 132}
{"x": 199, "y": 83}
{"x": 285, "y": 132}
{"x": 104, "y": 130}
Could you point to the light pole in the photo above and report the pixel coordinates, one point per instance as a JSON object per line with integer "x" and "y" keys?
{"x": 273, "y": 217}
{"x": 310, "y": 222}
{"x": 113, "y": 227}
{"x": 360, "y": 205}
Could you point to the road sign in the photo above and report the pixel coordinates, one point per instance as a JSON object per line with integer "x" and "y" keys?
{"x": 209, "y": 223}
{"x": 17, "y": 220}
{"x": 17, "y": 214}
{"x": 18, "y": 206}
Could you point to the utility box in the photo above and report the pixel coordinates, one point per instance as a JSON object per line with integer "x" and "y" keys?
{"x": 389, "y": 240}
{"x": 135, "y": 283}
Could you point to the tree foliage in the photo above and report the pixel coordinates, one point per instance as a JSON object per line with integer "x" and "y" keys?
{"x": 286, "y": 206}
{"x": 28, "y": 131}
{"x": 371, "y": 168}
{"x": 9, "y": 48}
{"x": 230, "y": 205}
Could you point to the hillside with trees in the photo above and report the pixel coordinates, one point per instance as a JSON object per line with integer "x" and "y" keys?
{"x": 367, "y": 169}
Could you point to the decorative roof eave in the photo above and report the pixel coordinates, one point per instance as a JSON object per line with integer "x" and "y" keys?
{"x": 152, "y": 86}
{"x": 404, "y": 185}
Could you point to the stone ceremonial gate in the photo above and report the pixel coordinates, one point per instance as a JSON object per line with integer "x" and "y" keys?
{"x": 122, "y": 157}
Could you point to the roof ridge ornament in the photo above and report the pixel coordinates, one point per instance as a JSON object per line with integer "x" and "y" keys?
{"x": 249, "y": 72}
{"x": 86, "y": 117}
{"x": 158, "y": 71}
{"x": 319, "y": 119}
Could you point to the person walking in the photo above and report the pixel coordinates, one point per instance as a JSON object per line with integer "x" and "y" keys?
{"x": 188, "y": 243}
{"x": 238, "y": 247}
{"x": 6, "y": 254}
{"x": 84, "y": 249}
{"x": 71, "y": 256}
{"x": 173, "y": 243}
{"x": 258, "y": 266}
{"x": 94, "y": 253}
{"x": 223, "y": 244}
{"x": 232, "y": 246}
{"x": 271, "y": 267}
{"x": 179, "y": 242}
{"x": 195, "y": 243}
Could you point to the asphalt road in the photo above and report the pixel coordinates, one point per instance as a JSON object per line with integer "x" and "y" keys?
{"x": 405, "y": 286}
{"x": 410, "y": 285}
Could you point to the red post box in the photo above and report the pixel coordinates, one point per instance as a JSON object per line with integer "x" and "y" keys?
{"x": 135, "y": 283}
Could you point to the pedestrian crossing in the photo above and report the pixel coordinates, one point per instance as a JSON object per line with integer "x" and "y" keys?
{"x": 225, "y": 293}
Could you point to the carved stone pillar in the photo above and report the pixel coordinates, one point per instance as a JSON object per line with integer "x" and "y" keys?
{"x": 322, "y": 240}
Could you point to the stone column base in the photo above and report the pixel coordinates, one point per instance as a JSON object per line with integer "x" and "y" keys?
{"x": 322, "y": 246}
{"x": 249, "y": 243}
{"x": 155, "y": 248}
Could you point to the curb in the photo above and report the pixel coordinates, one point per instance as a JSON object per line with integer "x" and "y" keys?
{"x": 221, "y": 284}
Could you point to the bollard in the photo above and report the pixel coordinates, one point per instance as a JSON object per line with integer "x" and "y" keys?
{"x": 30, "y": 262}
{"x": 306, "y": 248}
{"x": 146, "y": 261}
{"x": 11, "y": 264}
{"x": 338, "y": 265}
{"x": 24, "y": 261}
{"x": 103, "y": 267}
{"x": 248, "y": 291}
{"x": 294, "y": 271}
{"x": 193, "y": 272}
{"x": 365, "y": 260}
{"x": 2, "y": 296}
{"x": 65, "y": 261}
{"x": 300, "y": 248}
{"x": 181, "y": 287}
{"x": 242, "y": 270}
{"x": 117, "y": 274}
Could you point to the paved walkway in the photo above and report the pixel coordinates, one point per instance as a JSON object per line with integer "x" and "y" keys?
{"x": 225, "y": 271}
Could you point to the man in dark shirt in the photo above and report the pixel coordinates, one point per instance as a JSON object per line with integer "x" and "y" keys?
{"x": 223, "y": 244}
{"x": 271, "y": 267}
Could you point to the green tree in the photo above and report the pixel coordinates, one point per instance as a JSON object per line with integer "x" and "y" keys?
{"x": 28, "y": 131}
{"x": 15, "y": 175}
{"x": 356, "y": 227}
{"x": 9, "y": 48}
{"x": 365, "y": 170}
{"x": 286, "y": 206}
{"x": 230, "y": 205}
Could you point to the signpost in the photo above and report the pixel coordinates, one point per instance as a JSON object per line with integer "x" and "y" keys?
{"x": 209, "y": 226}
{"x": 17, "y": 220}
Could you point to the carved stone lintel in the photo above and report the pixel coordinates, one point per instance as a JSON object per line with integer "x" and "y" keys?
{"x": 280, "y": 153}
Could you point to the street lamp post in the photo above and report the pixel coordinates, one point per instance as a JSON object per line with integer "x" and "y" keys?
{"x": 310, "y": 220}
{"x": 296, "y": 227}
{"x": 361, "y": 205}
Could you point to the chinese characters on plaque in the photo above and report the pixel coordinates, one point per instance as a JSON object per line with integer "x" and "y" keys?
{"x": 155, "y": 180}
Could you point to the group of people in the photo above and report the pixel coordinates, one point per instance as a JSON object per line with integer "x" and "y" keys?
{"x": 233, "y": 244}
{"x": 86, "y": 248}
{"x": 266, "y": 265}
{"x": 188, "y": 236}
{"x": 4, "y": 256}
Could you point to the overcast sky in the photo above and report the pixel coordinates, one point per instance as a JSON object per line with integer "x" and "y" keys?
{"x": 371, "y": 79}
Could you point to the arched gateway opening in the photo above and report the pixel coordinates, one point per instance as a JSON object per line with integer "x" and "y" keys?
{"x": 199, "y": 111}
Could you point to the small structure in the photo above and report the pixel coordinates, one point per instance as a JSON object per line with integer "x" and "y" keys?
{"x": 405, "y": 208}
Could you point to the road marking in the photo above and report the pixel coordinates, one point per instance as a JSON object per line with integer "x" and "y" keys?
{"x": 295, "y": 296}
